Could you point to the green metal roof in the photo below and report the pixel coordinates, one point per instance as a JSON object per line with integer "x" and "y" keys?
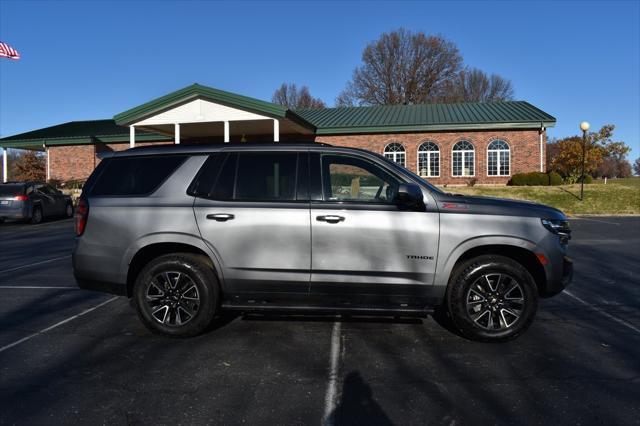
{"x": 426, "y": 117}
{"x": 76, "y": 133}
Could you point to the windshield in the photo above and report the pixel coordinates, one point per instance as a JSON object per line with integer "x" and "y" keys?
{"x": 11, "y": 189}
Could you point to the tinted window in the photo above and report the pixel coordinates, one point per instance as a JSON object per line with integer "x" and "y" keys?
{"x": 206, "y": 177}
{"x": 352, "y": 179}
{"x": 45, "y": 189}
{"x": 10, "y": 189}
{"x": 135, "y": 175}
{"x": 266, "y": 176}
{"x": 223, "y": 189}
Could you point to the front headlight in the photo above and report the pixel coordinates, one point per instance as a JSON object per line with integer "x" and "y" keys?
{"x": 560, "y": 227}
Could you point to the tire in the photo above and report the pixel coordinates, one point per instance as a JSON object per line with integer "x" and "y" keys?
{"x": 68, "y": 210}
{"x": 492, "y": 298}
{"x": 169, "y": 286}
{"x": 36, "y": 215}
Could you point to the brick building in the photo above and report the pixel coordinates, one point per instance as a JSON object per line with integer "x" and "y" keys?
{"x": 445, "y": 143}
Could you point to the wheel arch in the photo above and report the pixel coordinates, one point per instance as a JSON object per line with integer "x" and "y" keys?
{"x": 521, "y": 251}
{"x": 143, "y": 254}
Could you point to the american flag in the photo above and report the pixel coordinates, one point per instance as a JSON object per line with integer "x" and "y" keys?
{"x": 7, "y": 51}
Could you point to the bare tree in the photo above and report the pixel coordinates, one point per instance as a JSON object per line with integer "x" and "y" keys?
{"x": 474, "y": 85}
{"x": 290, "y": 96}
{"x": 402, "y": 67}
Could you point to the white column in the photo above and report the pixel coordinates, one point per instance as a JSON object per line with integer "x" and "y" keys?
{"x": 132, "y": 136}
{"x": 542, "y": 149}
{"x": 4, "y": 164}
{"x": 276, "y": 130}
{"x": 227, "y": 138}
{"x": 48, "y": 164}
{"x": 177, "y": 133}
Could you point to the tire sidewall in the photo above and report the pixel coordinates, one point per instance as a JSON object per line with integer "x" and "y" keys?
{"x": 36, "y": 218}
{"x": 204, "y": 280}
{"x": 468, "y": 274}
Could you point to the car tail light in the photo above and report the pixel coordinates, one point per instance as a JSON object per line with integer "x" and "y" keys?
{"x": 82, "y": 215}
{"x": 20, "y": 198}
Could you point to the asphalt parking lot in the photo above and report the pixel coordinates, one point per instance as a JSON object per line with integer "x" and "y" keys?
{"x": 73, "y": 356}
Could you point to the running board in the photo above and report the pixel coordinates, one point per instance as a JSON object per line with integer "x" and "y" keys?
{"x": 353, "y": 310}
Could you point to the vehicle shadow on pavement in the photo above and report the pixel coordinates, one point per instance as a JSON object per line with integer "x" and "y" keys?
{"x": 357, "y": 402}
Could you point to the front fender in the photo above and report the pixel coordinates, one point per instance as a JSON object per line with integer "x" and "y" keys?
{"x": 445, "y": 267}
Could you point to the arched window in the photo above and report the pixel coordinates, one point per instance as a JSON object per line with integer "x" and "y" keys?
{"x": 498, "y": 159}
{"x": 429, "y": 160}
{"x": 395, "y": 152}
{"x": 463, "y": 159}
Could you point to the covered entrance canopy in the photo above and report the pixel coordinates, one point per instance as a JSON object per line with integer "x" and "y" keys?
{"x": 203, "y": 113}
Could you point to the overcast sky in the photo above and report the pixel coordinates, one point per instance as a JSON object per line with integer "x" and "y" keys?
{"x": 91, "y": 60}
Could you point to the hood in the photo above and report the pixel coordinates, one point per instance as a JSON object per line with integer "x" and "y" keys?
{"x": 454, "y": 203}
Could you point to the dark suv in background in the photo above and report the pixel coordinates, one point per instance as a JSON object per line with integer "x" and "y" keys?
{"x": 188, "y": 231}
{"x": 32, "y": 201}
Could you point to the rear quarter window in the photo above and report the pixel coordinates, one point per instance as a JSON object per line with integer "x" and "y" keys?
{"x": 10, "y": 189}
{"x": 131, "y": 176}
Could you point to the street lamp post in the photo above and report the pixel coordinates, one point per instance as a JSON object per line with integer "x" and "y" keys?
{"x": 584, "y": 126}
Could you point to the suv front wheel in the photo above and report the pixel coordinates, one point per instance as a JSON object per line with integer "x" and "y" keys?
{"x": 492, "y": 298}
{"x": 177, "y": 294}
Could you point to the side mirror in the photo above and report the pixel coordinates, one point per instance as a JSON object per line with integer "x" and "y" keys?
{"x": 409, "y": 197}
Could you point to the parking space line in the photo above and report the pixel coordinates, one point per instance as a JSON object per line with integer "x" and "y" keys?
{"x": 58, "y": 324}
{"x": 35, "y": 287}
{"x": 331, "y": 396}
{"x": 606, "y": 314}
{"x": 34, "y": 264}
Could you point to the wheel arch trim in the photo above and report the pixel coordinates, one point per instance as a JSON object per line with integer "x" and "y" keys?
{"x": 445, "y": 270}
{"x": 168, "y": 239}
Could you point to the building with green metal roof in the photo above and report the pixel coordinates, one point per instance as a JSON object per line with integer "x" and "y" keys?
{"x": 445, "y": 143}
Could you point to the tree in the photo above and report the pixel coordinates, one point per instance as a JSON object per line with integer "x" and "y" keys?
{"x": 12, "y": 157}
{"x": 402, "y": 67}
{"x": 30, "y": 165}
{"x": 612, "y": 167}
{"x": 474, "y": 85}
{"x": 567, "y": 157}
{"x": 636, "y": 166}
{"x": 290, "y": 96}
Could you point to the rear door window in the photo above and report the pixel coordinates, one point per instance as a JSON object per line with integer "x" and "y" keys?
{"x": 257, "y": 176}
{"x": 131, "y": 176}
{"x": 266, "y": 176}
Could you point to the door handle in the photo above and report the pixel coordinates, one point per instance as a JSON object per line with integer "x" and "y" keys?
{"x": 220, "y": 217}
{"x": 330, "y": 218}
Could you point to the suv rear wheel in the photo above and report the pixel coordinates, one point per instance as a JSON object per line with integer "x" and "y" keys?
{"x": 36, "y": 215}
{"x": 177, "y": 294}
{"x": 492, "y": 298}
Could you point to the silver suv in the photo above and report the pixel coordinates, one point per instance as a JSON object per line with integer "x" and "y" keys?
{"x": 189, "y": 231}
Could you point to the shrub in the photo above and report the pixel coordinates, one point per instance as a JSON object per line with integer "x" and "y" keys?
{"x": 555, "y": 179}
{"x": 472, "y": 182}
{"x": 535, "y": 179}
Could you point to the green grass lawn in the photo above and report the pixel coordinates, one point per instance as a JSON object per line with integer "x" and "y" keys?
{"x": 618, "y": 196}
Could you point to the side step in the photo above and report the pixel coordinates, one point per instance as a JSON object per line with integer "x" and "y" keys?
{"x": 312, "y": 309}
